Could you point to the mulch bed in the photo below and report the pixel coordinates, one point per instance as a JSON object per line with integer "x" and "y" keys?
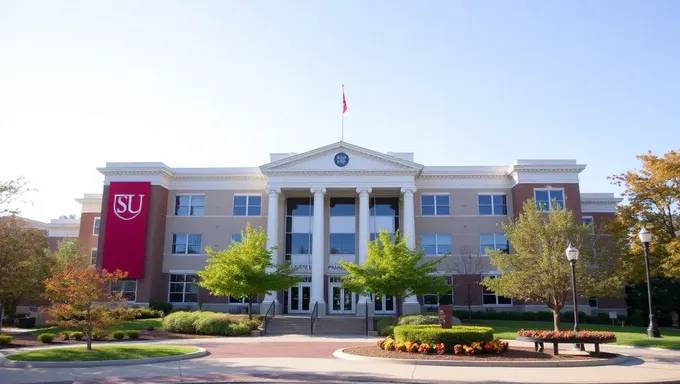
{"x": 31, "y": 339}
{"x": 514, "y": 353}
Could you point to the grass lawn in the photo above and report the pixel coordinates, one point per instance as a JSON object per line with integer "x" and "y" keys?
{"x": 139, "y": 324}
{"x": 102, "y": 353}
{"x": 670, "y": 338}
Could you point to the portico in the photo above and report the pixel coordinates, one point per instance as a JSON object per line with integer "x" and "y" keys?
{"x": 316, "y": 193}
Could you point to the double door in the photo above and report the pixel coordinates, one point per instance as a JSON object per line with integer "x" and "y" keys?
{"x": 342, "y": 300}
{"x": 299, "y": 297}
{"x": 385, "y": 304}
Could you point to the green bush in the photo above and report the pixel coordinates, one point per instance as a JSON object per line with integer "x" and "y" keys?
{"x": 433, "y": 334}
{"x": 418, "y": 319}
{"x": 385, "y": 326}
{"x": 99, "y": 335}
{"x": 544, "y": 316}
{"x": 133, "y": 335}
{"x": 602, "y": 318}
{"x": 160, "y": 305}
{"x": 238, "y": 329}
{"x": 145, "y": 313}
{"x": 210, "y": 323}
{"x": 77, "y": 335}
{"x": 118, "y": 335}
{"x": 46, "y": 337}
{"x": 181, "y": 322}
{"x": 5, "y": 339}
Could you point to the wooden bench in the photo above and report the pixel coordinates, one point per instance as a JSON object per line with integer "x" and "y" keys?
{"x": 538, "y": 343}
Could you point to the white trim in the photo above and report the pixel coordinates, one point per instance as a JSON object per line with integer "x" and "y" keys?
{"x": 592, "y": 219}
{"x": 95, "y": 227}
{"x": 564, "y": 195}
{"x": 182, "y": 272}
{"x": 434, "y": 195}
{"x": 247, "y": 196}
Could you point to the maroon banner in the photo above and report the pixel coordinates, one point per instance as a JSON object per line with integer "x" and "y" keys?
{"x": 125, "y": 228}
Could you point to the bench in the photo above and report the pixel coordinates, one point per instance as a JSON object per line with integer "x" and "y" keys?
{"x": 538, "y": 343}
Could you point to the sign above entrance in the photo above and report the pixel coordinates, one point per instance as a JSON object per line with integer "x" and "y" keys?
{"x": 341, "y": 159}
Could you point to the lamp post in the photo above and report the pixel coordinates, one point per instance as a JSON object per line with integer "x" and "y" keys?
{"x": 645, "y": 237}
{"x": 572, "y": 256}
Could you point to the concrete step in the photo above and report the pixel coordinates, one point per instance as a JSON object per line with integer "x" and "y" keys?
{"x": 325, "y": 325}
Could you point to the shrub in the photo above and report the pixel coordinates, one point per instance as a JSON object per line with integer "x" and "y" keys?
{"x": 418, "y": 319}
{"x": 64, "y": 336}
{"x": 181, "y": 322}
{"x": 99, "y": 335}
{"x": 544, "y": 316}
{"x": 385, "y": 326}
{"x": 77, "y": 335}
{"x": 150, "y": 328}
{"x": 118, "y": 335}
{"x": 5, "y": 339}
{"x": 46, "y": 337}
{"x": 210, "y": 323}
{"x": 160, "y": 305}
{"x": 145, "y": 313}
{"x": 238, "y": 329}
{"x": 433, "y": 334}
{"x": 602, "y": 318}
{"x": 133, "y": 335}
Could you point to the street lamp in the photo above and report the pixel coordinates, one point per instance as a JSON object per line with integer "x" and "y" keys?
{"x": 572, "y": 256}
{"x": 645, "y": 237}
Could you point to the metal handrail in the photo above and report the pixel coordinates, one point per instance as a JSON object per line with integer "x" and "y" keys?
{"x": 315, "y": 314}
{"x": 268, "y": 316}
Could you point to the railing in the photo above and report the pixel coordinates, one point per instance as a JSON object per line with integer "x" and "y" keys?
{"x": 271, "y": 312}
{"x": 366, "y": 304}
{"x": 315, "y": 314}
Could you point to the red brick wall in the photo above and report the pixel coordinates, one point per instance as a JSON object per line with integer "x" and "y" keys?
{"x": 572, "y": 196}
{"x": 463, "y": 285}
{"x": 88, "y": 240}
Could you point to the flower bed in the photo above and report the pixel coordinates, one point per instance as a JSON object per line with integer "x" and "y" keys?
{"x": 566, "y": 336}
{"x": 449, "y": 337}
{"x": 479, "y": 347}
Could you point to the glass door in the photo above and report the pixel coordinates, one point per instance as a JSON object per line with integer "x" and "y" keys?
{"x": 385, "y": 304}
{"x": 342, "y": 300}
{"x": 299, "y": 297}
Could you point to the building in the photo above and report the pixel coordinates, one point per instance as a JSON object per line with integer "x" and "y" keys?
{"x": 320, "y": 207}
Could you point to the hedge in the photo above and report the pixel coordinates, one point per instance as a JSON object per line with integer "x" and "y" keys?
{"x": 385, "y": 326}
{"x": 5, "y": 339}
{"x": 418, "y": 319}
{"x": 134, "y": 334}
{"x": 118, "y": 335}
{"x": 210, "y": 323}
{"x": 567, "y": 316}
{"x": 433, "y": 334}
{"x": 46, "y": 337}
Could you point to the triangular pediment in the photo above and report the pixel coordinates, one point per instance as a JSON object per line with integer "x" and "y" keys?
{"x": 341, "y": 157}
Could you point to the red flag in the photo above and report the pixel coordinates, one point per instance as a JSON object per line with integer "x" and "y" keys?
{"x": 344, "y": 102}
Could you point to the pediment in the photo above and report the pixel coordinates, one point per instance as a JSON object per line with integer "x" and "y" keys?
{"x": 341, "y": 157}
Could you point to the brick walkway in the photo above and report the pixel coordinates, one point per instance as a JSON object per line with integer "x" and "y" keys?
{"x": 255, "y": 350}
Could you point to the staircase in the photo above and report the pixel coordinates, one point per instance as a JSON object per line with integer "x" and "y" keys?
{"x": 329, "y": 325}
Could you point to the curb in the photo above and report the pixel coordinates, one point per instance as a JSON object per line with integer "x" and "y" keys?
{"x": 340, "y": 354}
{"x": 4, "y": 361}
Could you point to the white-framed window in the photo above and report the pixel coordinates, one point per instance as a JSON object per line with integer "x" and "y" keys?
{"x": 186, "y": 243}
{"x": 434, "y": 205}
{"x": 247, "y": 205}
{"x": 492, "y": 204}
{"x": 544, "y": 197}
{"x": 587, "y": 220}
{"x": 95, "y": 226}
{"x": 490, "y": 298}
{"x": 189, "y": 205}
{"x": 236, "y": 237}
{"x": 436, "y": 244}
{"x": 183, "y": 288}
{"x": 493, "y": 241}
{"x": 236, "y": 300}
{"x": 128, "y": 288}
{"x": 93, "y": 256}
{"x": 436, "y": 299}
{"x": 593, "y": 302}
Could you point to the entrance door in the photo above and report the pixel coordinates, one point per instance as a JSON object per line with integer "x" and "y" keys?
{"x": 299, "y": 297}
{"x": 385, "y": 304}
{"x": 342, "y": 301}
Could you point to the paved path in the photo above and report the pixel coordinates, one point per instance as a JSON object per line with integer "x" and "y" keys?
{"x": 309, "y": 360}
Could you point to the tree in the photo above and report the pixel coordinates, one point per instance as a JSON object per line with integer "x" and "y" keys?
{"x": 393, "y": 269}
{"x": 69, "y": 252}
{"x": 653, "y": 196}
{"x": 69, "y": 216}
{"x": 538, "y": 269}
{"x": 470, "y": 263}
{"x": 10, "y": 192}
{"x": 80, "y": 298}
{"x": 245, "y": 269}
{"x": 23, "y": 262}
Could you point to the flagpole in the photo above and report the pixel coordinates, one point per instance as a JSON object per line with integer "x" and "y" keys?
{"x": 342, "y": 118}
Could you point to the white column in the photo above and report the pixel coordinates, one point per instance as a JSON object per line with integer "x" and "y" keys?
{"x": 409, "y": 228}
{"x": 364, "y": 229}
{"x": 272, "y": 239}
{"x": 318, "y": 250}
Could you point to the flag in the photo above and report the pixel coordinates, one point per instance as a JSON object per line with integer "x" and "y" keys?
{"x": 344, "y": 102}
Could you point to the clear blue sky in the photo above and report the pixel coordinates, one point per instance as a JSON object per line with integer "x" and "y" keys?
{"x": 224, "y": 83}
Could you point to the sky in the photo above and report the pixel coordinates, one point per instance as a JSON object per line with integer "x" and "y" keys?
{"x": 225, "y": 83}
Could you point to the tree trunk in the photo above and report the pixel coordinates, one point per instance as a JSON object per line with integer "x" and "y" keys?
{"x": 556, "y": 319}
{"x": 250, "y": 308}
{"x": 88, "y": 335}
{"x": 2, "y": 315}
{"x": 469, "y": 302}
{"x": 398, "y": 304}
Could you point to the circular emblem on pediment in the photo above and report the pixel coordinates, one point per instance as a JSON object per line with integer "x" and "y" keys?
{"x": 341, "y": 159}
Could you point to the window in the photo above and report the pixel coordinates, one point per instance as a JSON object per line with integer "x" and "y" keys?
{"x": 236, "y": 300}
{"x": 490, "y": 298}
{"x": 434, "y": 299}
{"x": 342, "y": 206}
{"x": 299, "y": 214}
{"x": 95, "y": 226}
{"x": 128, "y": 288}
{"x": 436, "y": 244}
{"x": 247, "y": 205}
{"x": 383, "y": 214}
{"x": 492, "y": 205}
{"x": 493, "y": 241}
{"x": 342, "y": 244}
{"x": 186, "y": 243}
{"x": 93, "y": 256}
{"x": 236, "y": 237}
{"x": 587, "y": 220}
{"x": 545, "y": 197}
{"x": 434, "y": 205}
{"x": 189, "y": 205}
{"x": 592, "y": 301}
{"x": 183, "y": 288}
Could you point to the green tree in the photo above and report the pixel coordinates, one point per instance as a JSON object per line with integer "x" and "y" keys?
{"x": 245, "y": 269}
{"x": 653, "y": 199}
{"x": 538, "y": 269}
{"x": 393, "y": 269}
{"x": 69, "y": 252}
